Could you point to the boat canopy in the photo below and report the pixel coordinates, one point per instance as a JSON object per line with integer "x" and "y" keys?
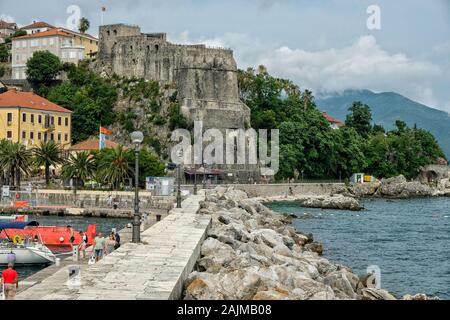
{"x": 18, "y": 225}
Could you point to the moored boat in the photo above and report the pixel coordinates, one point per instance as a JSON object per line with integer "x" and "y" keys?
{"x": 28, "y": 251}
{"x": 50, "y": 236}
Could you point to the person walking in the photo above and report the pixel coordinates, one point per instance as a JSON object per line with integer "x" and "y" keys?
{"x": 99, "y": 246}
{"x": 117, "y": 239}
{"x": 110, "y": 244}
{"x": 83, "y": 244}
{"x": 10, "y": 282}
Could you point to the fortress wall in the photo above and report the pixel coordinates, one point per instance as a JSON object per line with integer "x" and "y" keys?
{"x": 206, "y": 77}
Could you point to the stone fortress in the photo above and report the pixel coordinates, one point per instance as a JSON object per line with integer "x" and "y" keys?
{"x": 206, "y": 78}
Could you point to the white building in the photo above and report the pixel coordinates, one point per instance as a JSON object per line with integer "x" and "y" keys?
{"x": 56, "y": 41}
{"x": 36, "y": 27}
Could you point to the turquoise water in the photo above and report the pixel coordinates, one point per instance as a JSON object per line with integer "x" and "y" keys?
{"x": 104, "y": 225}
{"x": 408, "y": 239}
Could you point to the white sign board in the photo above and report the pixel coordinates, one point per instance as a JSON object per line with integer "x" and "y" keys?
{"x": 6, "y": 192}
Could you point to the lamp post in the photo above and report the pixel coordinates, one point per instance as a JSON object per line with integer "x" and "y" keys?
{"x": 136, "y": 137}
{"x": 179, "y": 188}
{"x": 204, "y": 175}
{"x": 195, "y": 180}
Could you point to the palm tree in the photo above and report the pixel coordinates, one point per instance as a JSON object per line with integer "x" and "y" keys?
{"x": 3, "y": 166}
{"x": 47, "y": 154}
{"x": 114, "y": 166}
{"x": 79, "y": 167}
{"x": 15, "y": 160}
{"x": 84, "y": 25}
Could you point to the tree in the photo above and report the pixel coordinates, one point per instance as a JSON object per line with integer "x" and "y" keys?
{"x": 90, "y": 97}
{"x": 149, "y": 166}
{"x": 15, "y": 160}
{"x": 4, "y": 53}
{"x": 84, "y": 25}
{"x": 80, "y": 167}
{"x": 47, "y": 154}
{"x": 114, "y": 166}
{"x": 43, "y": 68}
{"x": 360, "y": 118}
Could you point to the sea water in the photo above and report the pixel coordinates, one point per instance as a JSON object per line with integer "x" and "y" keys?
{"x": 409, "y": 240}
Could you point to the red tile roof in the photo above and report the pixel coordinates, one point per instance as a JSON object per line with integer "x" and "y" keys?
{"x": 86, "y": 35}
{"x": 92, "y": 145}
{"x": 7, "y": 25}
{"x": 332, "y": 120}
{"x": 13, "y": 98}
{"x": 48, "y": 33}
{"x": 38, "y": 24}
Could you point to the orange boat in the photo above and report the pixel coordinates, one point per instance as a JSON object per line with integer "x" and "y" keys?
{"x": 50, "y": 236}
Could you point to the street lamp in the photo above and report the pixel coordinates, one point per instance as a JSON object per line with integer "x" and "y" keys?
{"x": 195, "y": 180}
{"x": 179, "y": 188}
{"x": 204, "y": 175}
{"x": 136, "y": 137}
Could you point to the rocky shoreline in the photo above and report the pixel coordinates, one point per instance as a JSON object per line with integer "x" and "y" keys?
{"x": 253, "y": 253}
{"x": 347, "y": 197}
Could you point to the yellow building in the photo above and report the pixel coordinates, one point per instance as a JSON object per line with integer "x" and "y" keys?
{"x": 29, "y": 119}
{"x": 90, "y": 43}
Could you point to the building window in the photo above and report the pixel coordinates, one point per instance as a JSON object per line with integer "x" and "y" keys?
{"x": 66, "y": 137}
{"x": 39, "y": 119}
{"x": 50, "y": 41}
{"x": 24, "y": 117}
{"x": 66, "y": 122}
{"x": 31, "y": 135}
{"x": 24, "y": 134}
{"x": 52, "y": 137}
{"x": 59, "y": 121}
{"x": 39, "y": 136}
{"x": 59, "y": 137}
{"x": 9, "y": 134}
{"x": 32, "y": 118}
{"x": 52, "y": 121}
{"x": 10, "y": 117}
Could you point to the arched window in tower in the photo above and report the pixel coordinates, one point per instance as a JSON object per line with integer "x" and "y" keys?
{"x": 157, "y": 48}
{"x": 115, "y": 32}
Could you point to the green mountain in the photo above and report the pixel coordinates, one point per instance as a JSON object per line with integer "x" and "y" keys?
{"x": 387, "y": 107}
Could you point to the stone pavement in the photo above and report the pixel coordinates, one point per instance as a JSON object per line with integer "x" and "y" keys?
{"x": 153, "y": 270}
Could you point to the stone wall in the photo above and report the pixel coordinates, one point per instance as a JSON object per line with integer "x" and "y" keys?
{"x": 206, "y": 78}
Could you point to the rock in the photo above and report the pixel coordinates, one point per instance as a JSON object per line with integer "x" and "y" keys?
{"x": 361, "y": 190}
{"x": 235, "y": 195}
{"x": 376, "y": 294}
{"x": 215, "y": 255}
{"x": 399, "y": 187}
{"x": 272, "y": 295}
{"x": 339, "y": 281}
{"x": 337, "y": 202}
{"x": 419, "y": 297}
{"x": 283, "y": 250}
{"x": 315, "y": 247}
{"x": 268, "y": 237}
{"x": 200, "y": 286}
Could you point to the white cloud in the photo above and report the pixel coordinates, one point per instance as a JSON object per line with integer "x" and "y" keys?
{"x": 7, "y": 18}
{"x": 361, "y": 65}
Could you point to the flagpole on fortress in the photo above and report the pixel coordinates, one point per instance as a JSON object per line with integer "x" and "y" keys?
{"x": 102, "y": 15}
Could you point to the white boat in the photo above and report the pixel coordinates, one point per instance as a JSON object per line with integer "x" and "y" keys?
{"x": 26, "y": 251}
{"x": 26, "y": 254}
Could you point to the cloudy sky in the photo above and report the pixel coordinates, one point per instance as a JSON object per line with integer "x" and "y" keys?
{"x": 323, "y": 45}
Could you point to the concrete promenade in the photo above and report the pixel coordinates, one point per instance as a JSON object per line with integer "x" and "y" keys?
{"x": 153, "y": 270}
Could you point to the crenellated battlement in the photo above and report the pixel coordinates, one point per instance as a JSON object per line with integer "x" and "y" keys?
{"x": 203, "y": 76}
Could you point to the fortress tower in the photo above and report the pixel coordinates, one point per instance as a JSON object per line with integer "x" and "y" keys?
{"x": 206, "y": 78}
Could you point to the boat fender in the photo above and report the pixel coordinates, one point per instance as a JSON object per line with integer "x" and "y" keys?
{"x": 17, "y": 240}
{"x": 61, "y": 239}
